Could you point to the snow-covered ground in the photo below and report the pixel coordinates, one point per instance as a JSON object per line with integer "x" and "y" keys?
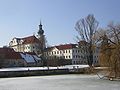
{"x": 58, "y": 82}
{"x": 43, "y": 68}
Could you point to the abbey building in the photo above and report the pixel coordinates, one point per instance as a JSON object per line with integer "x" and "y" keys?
{"x": 31, "y": 43}
{"x": 65, "y": 54}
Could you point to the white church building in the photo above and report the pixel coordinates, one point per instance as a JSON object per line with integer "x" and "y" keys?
{"x": 29, "y": 44}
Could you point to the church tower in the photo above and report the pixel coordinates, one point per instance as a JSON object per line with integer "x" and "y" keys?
{"x": 41, "y": 31}
{"x": 41, "y": 38}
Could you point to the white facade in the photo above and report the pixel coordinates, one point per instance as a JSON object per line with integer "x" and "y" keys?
{"x": 74, "y": 54}
{"x": 96, "y": 56}
{"x": 28, "y": 44}
{"x": 16, "y": 44}
{"x": 77, "y": 55}
{"x": 34, "y": 47}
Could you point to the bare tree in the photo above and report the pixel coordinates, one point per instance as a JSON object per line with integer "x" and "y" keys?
{"x": 114, "y": 33}
{"x": 86, "y": 28}
{"x": 110, "y": 49}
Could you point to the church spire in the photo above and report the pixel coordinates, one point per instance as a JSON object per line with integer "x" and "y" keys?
{"x": 41, "y": 31}
{"x": 40, "y": 26}
{"x": 40, "y": 22}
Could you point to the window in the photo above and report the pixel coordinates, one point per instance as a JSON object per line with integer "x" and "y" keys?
{"x": 73, "y": 51}
{"x": 73, "y": 56}
{"x": 76, "y": 51}
{"x": 95, "y": 56}
{"x": 28, "y": 47}
{"x": 66, "y": 56}
{"x": 81, "y": 56}
{"x": 76, "y": 56}
{"x": 74, "y": 62}
{"x": 69, "y": 56}
{"x": 66, "y": 51}
{"x": 57, "y": 52}
{"x": 69, "y": 51}
{"x": 60, "y": 52}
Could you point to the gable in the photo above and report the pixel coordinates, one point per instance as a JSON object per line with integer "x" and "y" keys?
{"x": 55, "y": 49}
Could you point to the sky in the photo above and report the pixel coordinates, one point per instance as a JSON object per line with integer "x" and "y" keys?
{"x": 20, "y": 18}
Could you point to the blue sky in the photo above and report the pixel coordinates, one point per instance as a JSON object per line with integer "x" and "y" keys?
{"x": 20, "y": 18}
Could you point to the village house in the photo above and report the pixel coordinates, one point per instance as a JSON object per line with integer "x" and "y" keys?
{"x": 10, "y": 58}
{"x": 68, "y": 54}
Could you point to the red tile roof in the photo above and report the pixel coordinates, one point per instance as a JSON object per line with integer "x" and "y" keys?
{"x": 30, "y": 40}
{"x": 4, "y": 50}
{"x": 62, "y": 47}
{"x": 9, "y": 53}
{"x": 66, "y": 46}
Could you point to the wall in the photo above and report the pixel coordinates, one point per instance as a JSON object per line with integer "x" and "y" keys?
{"x": 33, "y": 72}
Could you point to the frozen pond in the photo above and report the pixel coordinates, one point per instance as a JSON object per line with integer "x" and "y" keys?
{"x": 58, "y": 82}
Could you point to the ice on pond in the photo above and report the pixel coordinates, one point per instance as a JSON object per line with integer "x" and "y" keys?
{"x": 58, "y": 82}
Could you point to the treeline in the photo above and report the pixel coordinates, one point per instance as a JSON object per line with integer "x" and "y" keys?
{"x": 107, "y": 39}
